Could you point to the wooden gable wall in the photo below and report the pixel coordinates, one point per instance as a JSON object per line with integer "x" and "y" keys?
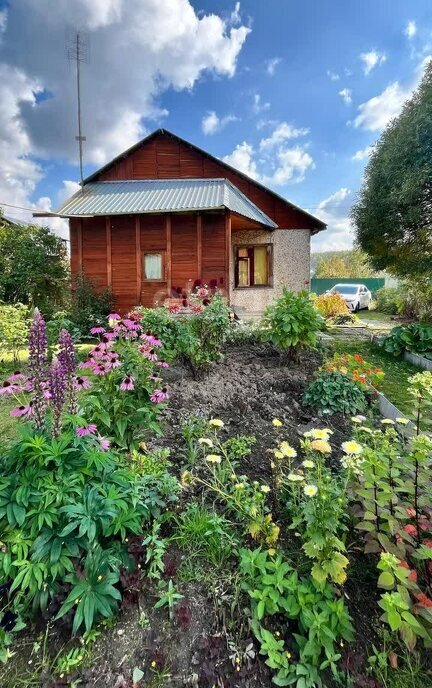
{"x": 165, "y": 157}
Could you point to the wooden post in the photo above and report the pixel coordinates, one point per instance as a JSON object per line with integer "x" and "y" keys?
{"x": 168, "y": 253}
{"x": 80, "y": 245}
{"x": 199, "y": 245}
{"x": 138, "y": 258}
{"x": 228, "y": 254}
{"x": 108, "y": 250}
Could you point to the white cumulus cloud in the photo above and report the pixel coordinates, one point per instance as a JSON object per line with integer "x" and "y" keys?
{"x": 363, "y": 153}
{"x": 333, "y": 76}
{"x": 242, "y": 158}
{"x": 281, "y": 133}
{"x": 258, "y": 106}
{"x": 377, "y": 112}
{"x": 346, "y": 95}
{"x": 291, "y": 166}
{"x": 272, "y": 64}
{"x": 410, "y": 29}
{"x": 334, "y": 211}
{"x": 212, "y": 123}
{"x": 371, "y": 60}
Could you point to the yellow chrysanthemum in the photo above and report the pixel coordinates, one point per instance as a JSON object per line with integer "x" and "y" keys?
{"x": 206, "y": 441}
{"x": 310, "y": 490}
{"x": 321, "y": 433}
{"x": 265, "y": 488}
{"x": 277, "y": 423}
{"x": 387, "y": 421}
{"x": 213, "y": 458}
{"x": 307, "y": 463}
{"x": 363, "y": 428}
{"x": 216, "y": 423}
{"x": 239, "y": 486}
{"x": 321, "y": 446}
{"x": 287, "y": 450}
{"x": 295, "y": 477}
{"x": 278, "y": 454}
{"x": 352, "y": 448}
{"x": 402, "y": 421}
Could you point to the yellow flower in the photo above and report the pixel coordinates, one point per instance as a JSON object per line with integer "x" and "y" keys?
{"x": 307, "y": 463}
{"x": 278, "y": 454}
{"x": 271, "y": 552}
{"x": 213, "y": 458}
{"x": 352, "y": 448}
{"x": 387, "y": 421}
{"x": 186, "y": 478}
{"x": 356, "y": 419}
{"x": 239, "y": 486}
{"x": 153, "y": 664}
{"x": 287, "y": 450}
{"x": 321, "y": 434}
{"x": 363, "y": 428}
{"x": 288, "y": 654}
{"x": 402, "y": 421}
{"x": 206, "y": 441}
{"x": 277, "y": 423}
{"x": 265, "y": 488}
{"x": 216, "y": 423}
{"x": 321, "y": 446}
{"x": 294, "y": 477}
{"x": 100, "y": 578}
{"x": 277, "y": 634}
{"x": 310, "y": 490}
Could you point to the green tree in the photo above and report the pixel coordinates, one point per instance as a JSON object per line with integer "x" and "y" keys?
{"x": 33, "y": 266}
{"x": 393, "y": 215}
{"x": 348, "y": 264}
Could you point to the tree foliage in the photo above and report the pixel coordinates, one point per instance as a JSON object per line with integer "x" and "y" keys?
{"x": 33, "y": 266}
{"x": 349, "y": 264}
{"x": 393, "y": 215}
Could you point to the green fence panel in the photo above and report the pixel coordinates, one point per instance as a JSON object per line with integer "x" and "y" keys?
{"x": 321, "y": 285}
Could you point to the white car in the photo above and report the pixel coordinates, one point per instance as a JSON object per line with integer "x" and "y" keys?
{"x": 356, "y": 296}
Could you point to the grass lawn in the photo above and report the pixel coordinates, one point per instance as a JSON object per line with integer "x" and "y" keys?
{"x": 377, "y": 319}
{"x": 397, "y": 370}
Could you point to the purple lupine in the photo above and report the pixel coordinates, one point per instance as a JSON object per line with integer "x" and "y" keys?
{"x": 57, "y": 388}
{"x": 38, "y": 368}
{"x": 67, "y": 360}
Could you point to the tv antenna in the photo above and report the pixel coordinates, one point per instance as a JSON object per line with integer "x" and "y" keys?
{"x": 77, "y": 51}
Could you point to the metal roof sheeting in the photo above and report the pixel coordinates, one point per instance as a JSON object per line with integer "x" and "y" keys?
{"x": 161, "y": 196}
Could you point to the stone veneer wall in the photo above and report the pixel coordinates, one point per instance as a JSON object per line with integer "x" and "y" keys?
{"x": 291, "y": 266}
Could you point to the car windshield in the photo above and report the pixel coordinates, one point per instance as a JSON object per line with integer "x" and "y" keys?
{"x": 345, "y": 288}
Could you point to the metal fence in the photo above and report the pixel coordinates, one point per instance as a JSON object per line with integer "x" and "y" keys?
{"x": 321, "y": 285}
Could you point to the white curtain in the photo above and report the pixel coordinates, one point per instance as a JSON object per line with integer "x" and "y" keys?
{"x": 153, "y": 266}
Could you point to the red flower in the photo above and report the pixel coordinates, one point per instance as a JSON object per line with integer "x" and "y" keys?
{"x": 413, "y": 576}
{"x": 427, "y": 543}
{"x": 411, "y": 530}
{"x": 404, "y": 565}
{"x": 411, "y": 512}
{"x": 423, "y": 600}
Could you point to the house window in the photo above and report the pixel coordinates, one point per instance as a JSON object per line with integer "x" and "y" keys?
{"x": 253, "y": 266}
{"x": 153, "y": 266}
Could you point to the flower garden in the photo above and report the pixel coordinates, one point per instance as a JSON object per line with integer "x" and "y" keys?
{"x": 193, "y": 502}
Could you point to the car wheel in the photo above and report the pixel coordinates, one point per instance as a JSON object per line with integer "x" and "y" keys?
{"x": 357, "y": 307}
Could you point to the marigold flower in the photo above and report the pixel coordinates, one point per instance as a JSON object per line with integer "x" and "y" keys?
{"x": 277, "y": 423}
{"x": 206, "y": 441}
{"x": 310, "y": 490}
{"x": 321, "y": 446}
{"x": 213, "y": 458}
{"x": 352, "y": 448}
{"x": 265, "y": 488}
{"x": 216, "y": 423}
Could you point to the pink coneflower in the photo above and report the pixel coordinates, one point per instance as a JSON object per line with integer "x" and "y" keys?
{"x": 162, "y": 364}
{"x": 127, "y": 383}
{"x": 97, "y": 330}
{"x": 150, "y": 354}
{"x": 109, "y": 336}
{"x": 113, "y": 360}
{"x": 104, "y": 443}
{"x": 10, "y": 388}
{"x": 151, "y": 339}
{"x": 91, "y": 429}
{"x": 16, "y": 376}
{"x": 159, "y": 395}
{"x": 82, "y": 382}
{"x": 86, "y": 364}
{"x": 21, "y": 411}
{"x": 101, "y": 368}
{"x": 131, "y": 324}
{"x": 114, "y": 316}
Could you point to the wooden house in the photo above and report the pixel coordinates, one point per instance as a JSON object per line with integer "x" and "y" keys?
{"x": 165, "y": 213}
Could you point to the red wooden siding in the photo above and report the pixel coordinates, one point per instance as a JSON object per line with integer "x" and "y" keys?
{"x": 213, "y": 248}
{"x": 124, "y": 272}
{"x": 94, "y": 251}
{"x": 153, "y": 240}
{"x": 164, "y": 157}
{"x": 74, "y": 226}
{"x": 184, "y": 253}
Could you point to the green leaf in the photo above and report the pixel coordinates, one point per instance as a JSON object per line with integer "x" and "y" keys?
{"x": 386, "y": 580}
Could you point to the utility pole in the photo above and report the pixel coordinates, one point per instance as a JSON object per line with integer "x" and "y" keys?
{"x": 77, "y": 51}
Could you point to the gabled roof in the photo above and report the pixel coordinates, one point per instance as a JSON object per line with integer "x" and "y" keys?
{"x": 161, "y": 196}
{"x": 320, "y": 225}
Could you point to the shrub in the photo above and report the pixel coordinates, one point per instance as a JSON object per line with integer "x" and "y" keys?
{"x": 414, "y": 337}
{"x": 14, "y": 329}
{"x": 61, "y": 321}
{"x": 330, "y": 305}
{"x": 389, "y": 300}
{"x": 292, "y": 323}
{"x": 333, "y": 392}
{"x": 88, "y": 308}
{"x": 208, "y": 331}
{"x": 163, "y": 324}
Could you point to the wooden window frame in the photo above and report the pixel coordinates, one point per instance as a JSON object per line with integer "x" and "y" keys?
{"x": 154, "y": 253}
{"x": 250, "y": 248}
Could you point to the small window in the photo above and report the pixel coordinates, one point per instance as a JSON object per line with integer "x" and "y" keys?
{"x": 153, "y": 266}
{"x": 253, "y": 266}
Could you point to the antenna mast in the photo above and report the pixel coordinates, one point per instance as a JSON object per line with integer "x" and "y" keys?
{"x": 77, "y": 51}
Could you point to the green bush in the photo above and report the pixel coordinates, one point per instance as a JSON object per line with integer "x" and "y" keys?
{"x": 14, "y": 329}
{"x": 415, "y": 337}
{"x": 389, "y": 300}
{"x": 164, "y": 325}
{"x": 66, "y": 506}
{"x": 292, "y": 323}
{"x": 333, "y": 392}
{"x": 88, "y": 308}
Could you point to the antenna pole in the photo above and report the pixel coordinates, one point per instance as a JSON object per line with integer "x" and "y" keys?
{"x": 77, "y": 51}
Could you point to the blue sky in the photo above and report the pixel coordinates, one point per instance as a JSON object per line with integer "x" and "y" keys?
{"x": 292, "y": 92}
